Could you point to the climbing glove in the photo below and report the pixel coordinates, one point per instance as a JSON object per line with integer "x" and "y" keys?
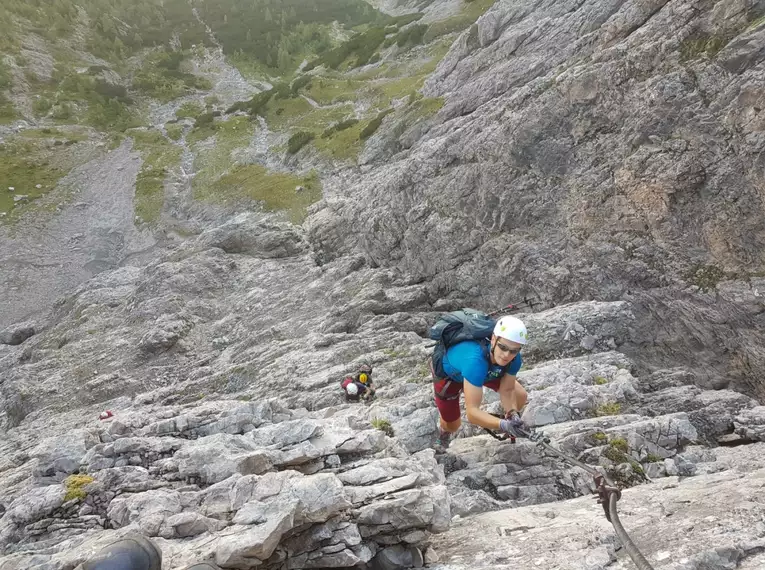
{"x": 513, "y": 425}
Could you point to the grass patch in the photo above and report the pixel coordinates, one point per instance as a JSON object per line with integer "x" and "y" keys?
{"x": 372, "y": 126}
{"x": 24, "y": 166}
{"x": 469, "y": 13}
{"x": 161, "y": 77}
{"x": 424, "y": 107}
{"x": 600, "y": 380}
{"x": 212, "y": 163}
{"x": 323, "y": 119}
{"x": 620, "y": 444}
{"x": 7, "y": 110}
{"x": 74, "y": 486}
{"x": 383, "y": 425}
{"x": 756, "y": 24}
{"x": 609, "y": 409}
{"x": 174, "y": 131}
{"x": 159, "y": 155}
{"x": 276, "y": 191}
{"x": 326, "y": 91}
{"x": 705, "y": 277}
{"x": 343, "y": 145}
{"x": 189, "y": 110}
{"x": 708, "y": 46}
{"x": 298, "y": 141}
{"x": 336, "y": 128}
{"x": 279, "y": 113}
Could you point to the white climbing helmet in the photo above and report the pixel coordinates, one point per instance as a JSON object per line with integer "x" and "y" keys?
{"x": 352, "y": 389}
{"x": 512, "y": 329}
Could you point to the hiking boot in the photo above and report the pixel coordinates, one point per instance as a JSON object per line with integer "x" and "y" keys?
{"x": 131, "y": 552}
{"x": 444, "y": 439}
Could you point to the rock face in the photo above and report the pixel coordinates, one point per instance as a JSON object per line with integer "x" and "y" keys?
{"x": 588, "y": 150}
{"x": 594, "y": 156}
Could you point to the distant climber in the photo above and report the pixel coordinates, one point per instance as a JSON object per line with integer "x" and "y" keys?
{"x": 359, "y": 386}
{"x": 470, "y": 366}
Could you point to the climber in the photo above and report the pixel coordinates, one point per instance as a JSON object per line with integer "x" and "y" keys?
{"x": 359, "y": 385}
{"x": 472, "y": 365}
{"x": 133, "y": 552}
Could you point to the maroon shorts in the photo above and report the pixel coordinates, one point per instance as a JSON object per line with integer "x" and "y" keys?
{"x": 448, "y": 397}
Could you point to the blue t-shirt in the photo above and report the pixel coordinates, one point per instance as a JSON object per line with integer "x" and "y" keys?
{"x": 469, "y": 360}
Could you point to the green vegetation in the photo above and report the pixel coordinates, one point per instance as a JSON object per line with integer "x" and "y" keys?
{"x": 82, "y": 98}
{"x": 620, "y": 444}
{"x": 422, "y": 108}
{"x": 276, "y": 191}
{"x": 756, "y": 23}
{"x": 651, "y": 458}
{"x": 600, "y": 380}
{"x": 337, "y": 127}
{"x": 26, "y": 167}
{"x": 214, "y": 161}
{"x": 298, "y": 141}
{"x": 600, "y": 437}
{"x": 360, "y": 47}
{"x": 409, "y": 37}
{"x": 279, "y": 113}
{"x": 159, "y": 155}
{"x": 7, "y": 112}
{"x": 609, "y": 409}
{"x": 326, "y": 91}
{"x": 74, "y": 486}
{"x": 704, "y": 45}
{"x": 119, "y": 28}
{"x": 275, "y": 32}
{"x": 189, "y": 110}
{"x": 373, "y": 125}
{"x": 383, "y": 425}
{"x": 174, "y": 131}
{"x": 470, "y": 12}
{"x": 160, "y": 77}
{"x": 342, "y": 145}
{"x": 705, "y": 277}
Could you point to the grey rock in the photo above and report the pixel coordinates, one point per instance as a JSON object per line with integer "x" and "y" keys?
{"x": 166, "y": 332}
{"x": 246, "y": 546}
{"x": 416, "y": 431}
{"x": 750, "y": 423}
{"x": 62, "y": 454}
{"x": 149, "y": 510}
{"x": 286, "y": 433}
{"x": 17, "y": 333}
{"x": 36, "y": 504}
{"x": 407, "y": 509}
{"x": 254, "y": 235}
{"x": 184, "y": 525}
{"x": 218, "y": 456}
{"x": 398, "y": 558}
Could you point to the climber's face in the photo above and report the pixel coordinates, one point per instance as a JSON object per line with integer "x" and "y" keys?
{"x": 503, "y": 350}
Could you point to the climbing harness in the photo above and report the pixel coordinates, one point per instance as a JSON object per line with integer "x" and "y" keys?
{"x": 608, "y": 493}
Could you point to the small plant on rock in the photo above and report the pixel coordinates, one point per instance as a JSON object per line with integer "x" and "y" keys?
{"x": 620, "y": 444}
{"x": 599, "y": 436}
{"x": 609, "y": 409}
{"x": 600, "y": 380}
{"x": 74, "y": 486}
{"x": 383, "y": 425}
